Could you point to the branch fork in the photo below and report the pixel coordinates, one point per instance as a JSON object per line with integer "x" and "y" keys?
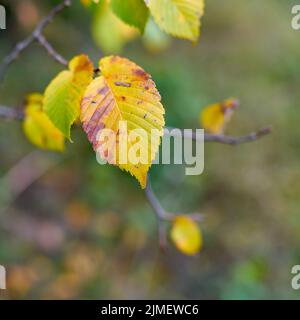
{"x": 9, "y": 113}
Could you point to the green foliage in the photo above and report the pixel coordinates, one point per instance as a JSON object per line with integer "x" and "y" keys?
{"x": 154, "y": 39}
{"x": 63, "y": 95}
{"x": 109, "y": 32}
{"x": 180, "y": 18}
{"x": 114, "y": 20}
{"x": 132, "y": 12}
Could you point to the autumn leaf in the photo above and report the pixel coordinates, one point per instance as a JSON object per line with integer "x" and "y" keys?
{"x": 64, "y": 93}
{"x": 38, "y": 128}
{"x": 186, "y": 235}
{"x": 215, "y": 117}
{"x": 133, "y": 12}
{"x": 125, "y": 101}
{"x": 180, "y": 18}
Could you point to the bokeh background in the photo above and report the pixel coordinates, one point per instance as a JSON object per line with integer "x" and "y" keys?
{"x": 70, "y": 228}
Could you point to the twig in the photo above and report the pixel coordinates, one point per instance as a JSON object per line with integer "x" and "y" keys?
{"x": 162, "y": 215}
{"x": 155, "y": 204}
{"x": 238, "y": 140}
{"x": 11, "y": 113}
{"x": 51, "y": 51}
{"x": 160, "y": 212}
{"x": 15, "y": 114}
{"x": 23, "y": 174}
{"x": 230, "y": 140}
{"x": 35, "y": 35}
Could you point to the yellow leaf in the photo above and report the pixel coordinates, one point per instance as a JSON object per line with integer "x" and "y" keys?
{"x": 186, "y": 235}
{"x": 215, "y": 117}
{"x": 125, "y": 101}
{"x": 38, "y": 128}
{"x": 109, "y": 32}
{"x": 64, "y": 93}
{"x": 180, "y": 18}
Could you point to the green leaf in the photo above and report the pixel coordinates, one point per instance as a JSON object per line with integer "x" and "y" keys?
{"x": 110, "y": 33}
{"x": 63, "y": 95}
{"x": 180, "y": 18}
{"x": 154, "y": 39}
{"x": 132, "y": 12}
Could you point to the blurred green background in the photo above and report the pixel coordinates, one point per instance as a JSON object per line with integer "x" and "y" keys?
{"x": 81, "y": 230}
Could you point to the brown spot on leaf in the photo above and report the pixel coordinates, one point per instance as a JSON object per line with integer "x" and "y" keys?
{"x": 103, "y": 90}
{"x": 106, "y": 154}
{"x": 122, "y": 84}
{"x": 141, "y": 73}
{"x": 114, "y": 59}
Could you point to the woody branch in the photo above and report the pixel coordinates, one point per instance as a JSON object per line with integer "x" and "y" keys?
{"x": 36, "y": 35}
{"x": 9, "y": 113}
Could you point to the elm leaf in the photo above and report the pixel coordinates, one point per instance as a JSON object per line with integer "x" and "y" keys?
{"x": 124, "y": 93}
{"x": 38, "y": 128}
{"x": 180, "y": 18}
{"x": 186, "y": 235}
{"x": 215, "y": 117}
{"x": 63, "y": 94}
{"x": 133, "y": 12}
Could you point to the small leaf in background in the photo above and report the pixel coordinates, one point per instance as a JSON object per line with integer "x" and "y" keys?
{"x": 64, "y": 93}
{"x": 87, "y": 3}
{"x": 38, "y": 128}
{"x": 215, "y": 117}
{"x": 124, "y": 92}
{"x": 109, "y": 32}
{"x": 154, "y": 39}
{"x": 180, "y": 18}
{"x": 133, "y": 12}
{"x": 186, "y": 235}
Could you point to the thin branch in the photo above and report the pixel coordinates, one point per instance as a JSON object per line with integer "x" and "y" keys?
{"x": 51, "y": 51}
{"x": 10, "y": 58}
{"x": 160, "y": 212}
{"x": 155, "y": 204}
{"x": 162, "y": 215}
{"x": 35, "y": 35}
{"x": 253, "y": 136}
{"x": 11, "y": 113}
{"x": 15, "y": 114}
{"x": 49, "y": 18}
{"x": 230, "y": 140}
{"x": 25, "y": 173}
